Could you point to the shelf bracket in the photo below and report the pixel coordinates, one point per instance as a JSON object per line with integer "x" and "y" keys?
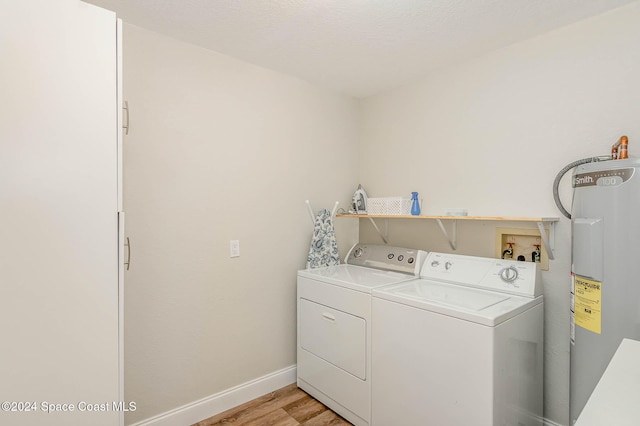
{"x": 452, "y": 240}
{"x": 549, "y": 243}
{"x": 384, "y": 237}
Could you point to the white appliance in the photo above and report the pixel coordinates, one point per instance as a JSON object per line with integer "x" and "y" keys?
{"x": 605, "y": 269}
{"x": 334, "y": 325}
{"x": 614, "y": 401}
{"x": 462, "y": 345}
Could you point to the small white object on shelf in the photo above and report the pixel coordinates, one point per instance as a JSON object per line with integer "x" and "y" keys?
{"x": 455, "y": 212}
{"x": 395, "y": 206}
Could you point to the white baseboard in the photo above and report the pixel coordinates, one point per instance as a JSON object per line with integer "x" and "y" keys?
{"x": 210, "y": 406}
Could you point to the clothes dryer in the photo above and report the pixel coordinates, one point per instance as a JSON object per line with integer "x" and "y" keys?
{"x": 334, "y": 325}
{"x": 462, "y": 345}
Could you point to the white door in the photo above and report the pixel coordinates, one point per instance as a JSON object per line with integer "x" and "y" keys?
{"x": 59, "y": 335}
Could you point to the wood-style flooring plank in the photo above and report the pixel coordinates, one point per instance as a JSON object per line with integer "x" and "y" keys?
{"x": 278, "y": 417}
{"x": 305, "y": 409}
{"x": 327, "y": 418}
{"x": 288, "y": 406}
{"x": 256, "y": 408}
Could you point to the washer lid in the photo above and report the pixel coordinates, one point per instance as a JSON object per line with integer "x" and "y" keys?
{"x": 451, "y": 295}
{"x": 481, "y": 306}
{"x": 354, "y": 277}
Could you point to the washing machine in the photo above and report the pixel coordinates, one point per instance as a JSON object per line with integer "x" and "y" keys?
{"x": 334, "y": 325}
{"x": 462, "y": 345}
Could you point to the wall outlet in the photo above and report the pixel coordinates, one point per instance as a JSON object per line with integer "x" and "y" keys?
{"x": 234, "y": 248}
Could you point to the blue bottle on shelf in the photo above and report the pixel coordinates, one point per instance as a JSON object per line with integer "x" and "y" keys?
{"x": 415, "y": 204}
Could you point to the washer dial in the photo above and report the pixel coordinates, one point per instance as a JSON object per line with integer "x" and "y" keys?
{"x": 509, "y": 274}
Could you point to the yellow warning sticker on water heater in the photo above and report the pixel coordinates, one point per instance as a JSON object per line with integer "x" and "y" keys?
{"x": 588, "y": 304}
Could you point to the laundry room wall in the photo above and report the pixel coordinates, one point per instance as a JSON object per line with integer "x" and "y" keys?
{"x": 220, "y": 150}
{"x": 490, "y": 134}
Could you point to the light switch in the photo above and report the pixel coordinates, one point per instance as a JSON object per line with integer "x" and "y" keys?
{"x": 234, "y": 248}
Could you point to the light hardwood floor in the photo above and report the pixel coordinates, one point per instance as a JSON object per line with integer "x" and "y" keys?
{"x": 289, "y": 406}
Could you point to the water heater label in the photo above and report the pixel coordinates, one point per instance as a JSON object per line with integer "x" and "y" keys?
{"x": 612, "y": 177}
{"x": 587, "y": 300}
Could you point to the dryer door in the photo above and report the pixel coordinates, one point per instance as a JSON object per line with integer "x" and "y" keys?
{"x": 335, "y": 336}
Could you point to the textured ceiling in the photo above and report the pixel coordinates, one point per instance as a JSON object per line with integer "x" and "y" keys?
{"x": 357, "y": 47}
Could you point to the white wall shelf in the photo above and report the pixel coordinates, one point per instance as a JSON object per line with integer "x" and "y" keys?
{"x": 452, "y": 239}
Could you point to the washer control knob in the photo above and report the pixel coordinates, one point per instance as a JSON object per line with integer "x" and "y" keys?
{"x": 435, "y": 264}
{"x": 509, "y": 274}
{"x": 359, "y": 252}
{"x": 410, "y": 260}
{"x": 390, "y": 256}
{"x": 400, "y": 258}
{"x": 447, "y": 265}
